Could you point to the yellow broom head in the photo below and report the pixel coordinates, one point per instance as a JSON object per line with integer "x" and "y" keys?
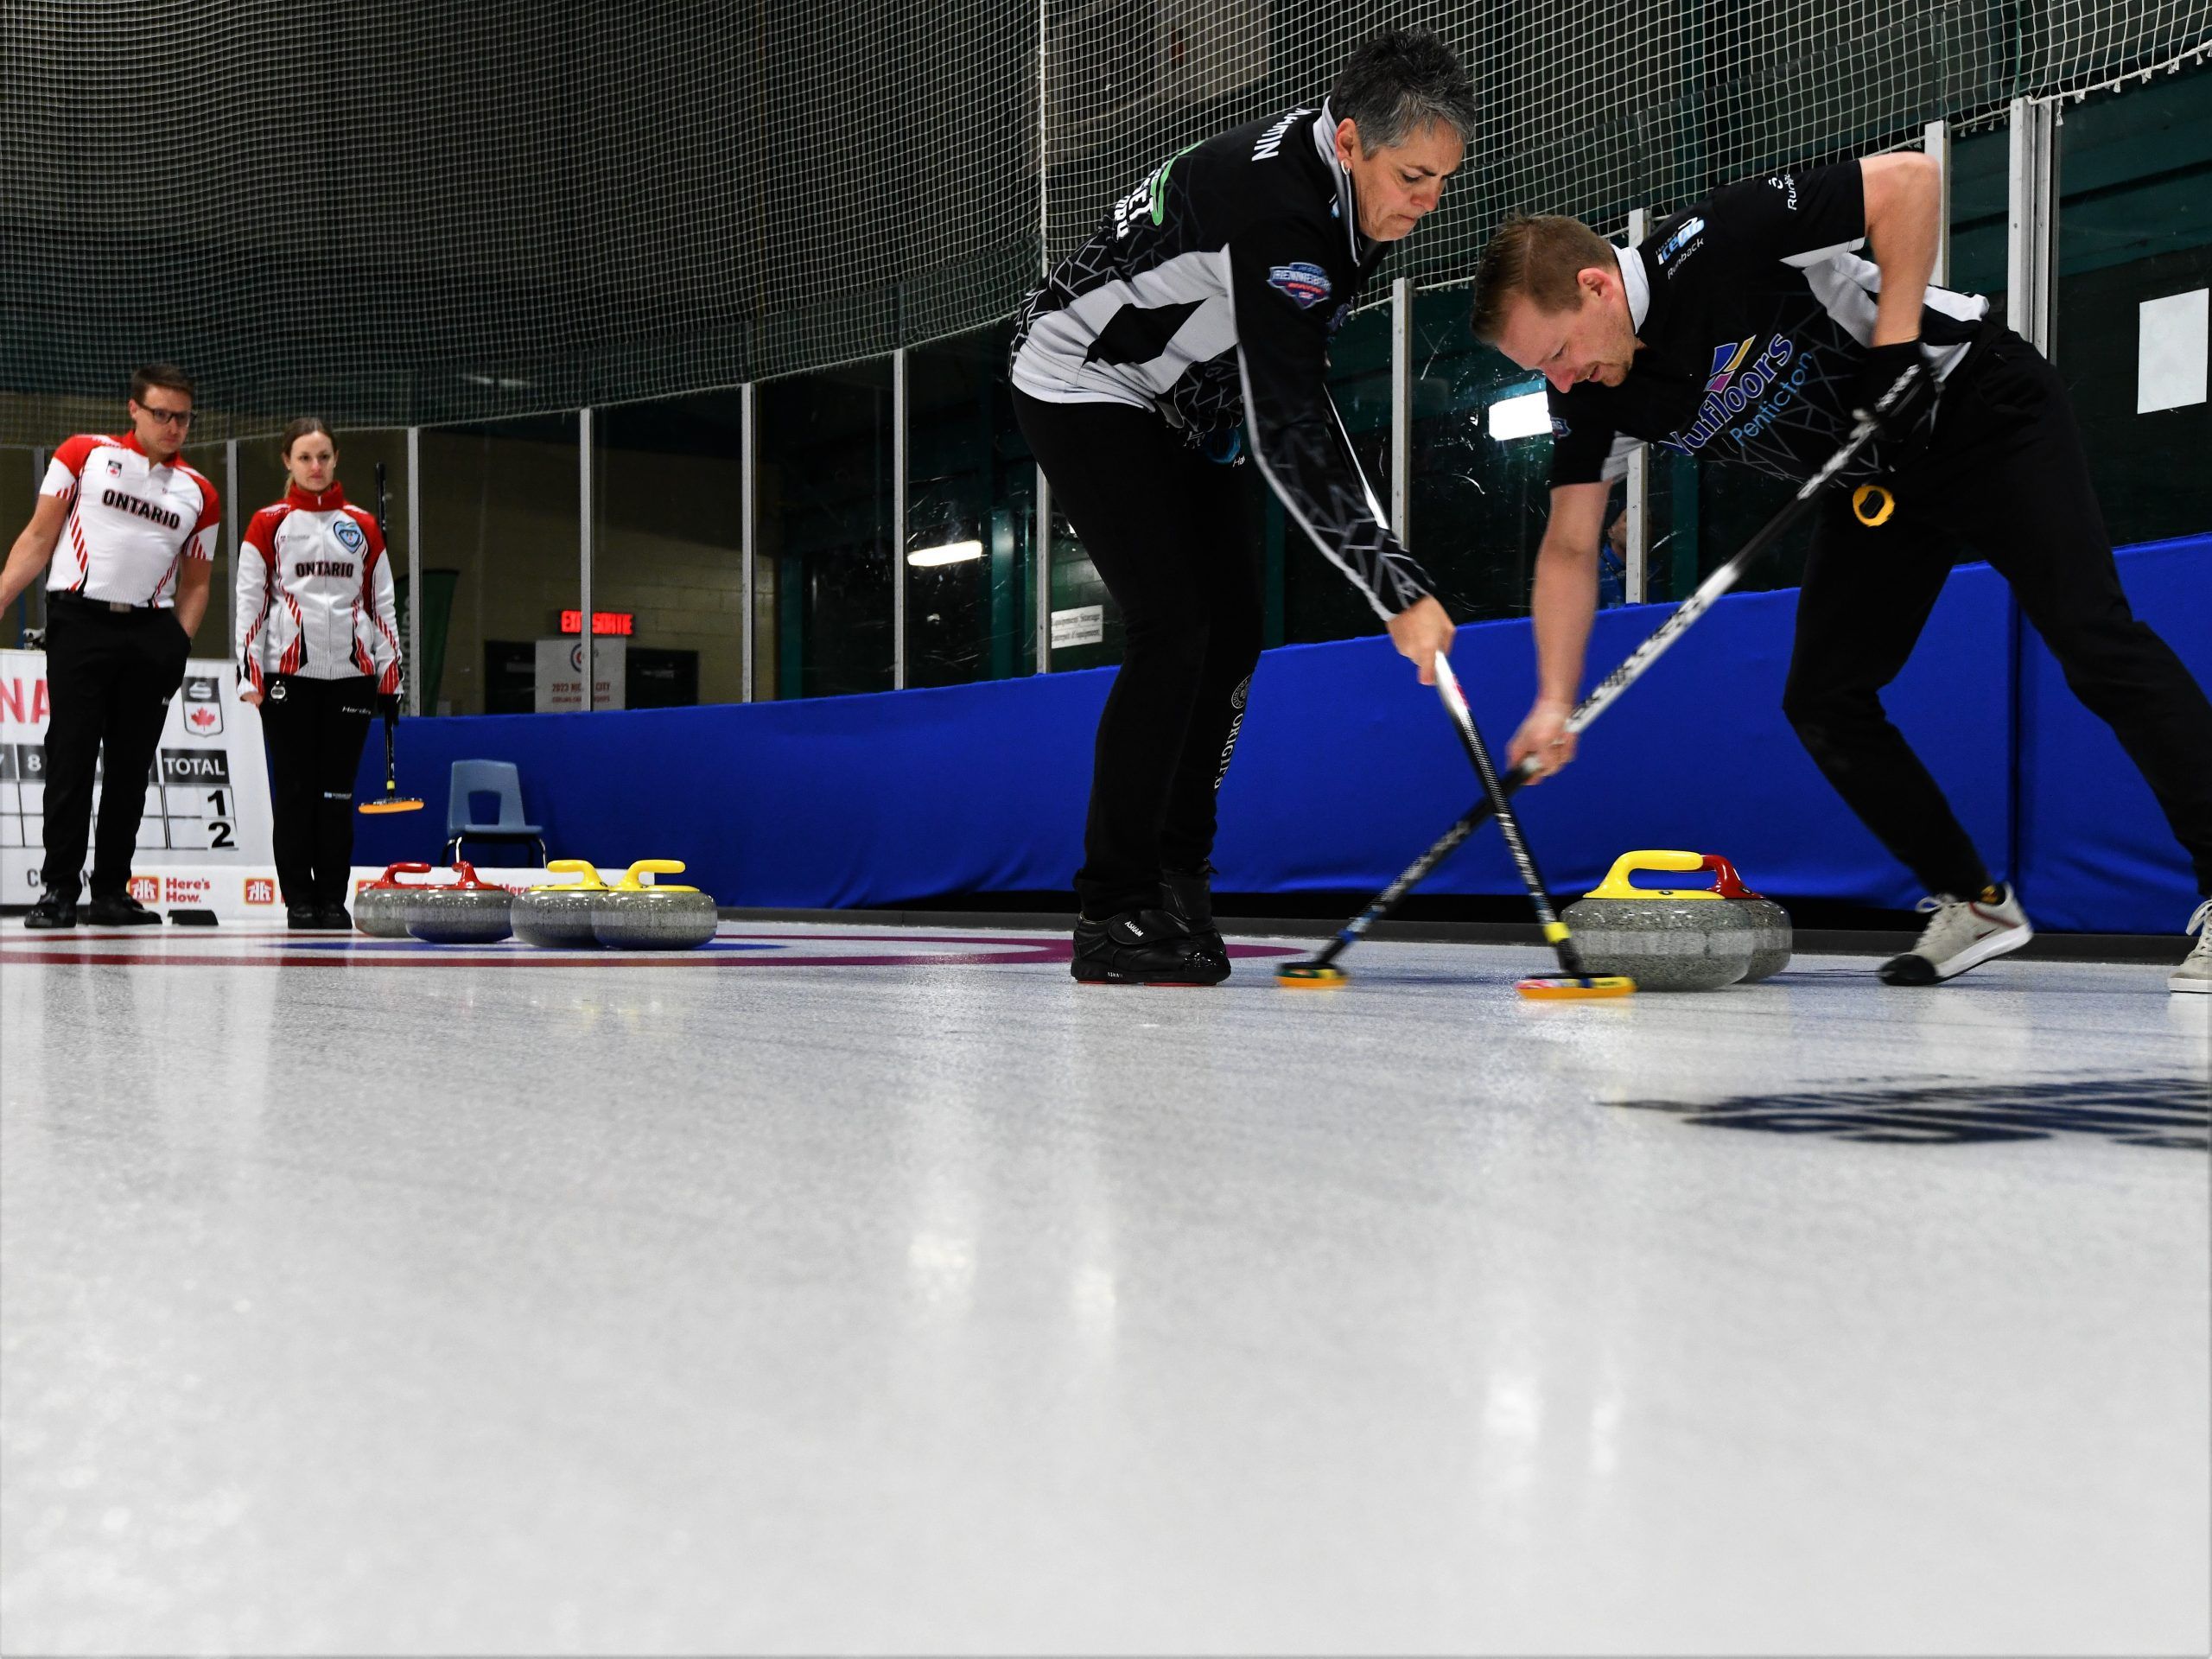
{"x": 1569, "y": 987}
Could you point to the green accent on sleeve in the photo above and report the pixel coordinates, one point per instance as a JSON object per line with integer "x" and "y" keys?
{"x": 1160, "y": 183}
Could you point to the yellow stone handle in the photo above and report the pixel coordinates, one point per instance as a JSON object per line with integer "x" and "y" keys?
{"x": 590, "y": 883}
{"x": 1616, "y": 884}
{"x": 629, "y": 883}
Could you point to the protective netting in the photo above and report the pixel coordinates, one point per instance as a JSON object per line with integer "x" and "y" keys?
{"x": 1590, "y": 107}
{"x": 392, "y": 212}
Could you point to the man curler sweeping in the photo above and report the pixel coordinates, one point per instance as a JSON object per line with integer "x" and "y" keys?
{"x": 1750, "y": 329}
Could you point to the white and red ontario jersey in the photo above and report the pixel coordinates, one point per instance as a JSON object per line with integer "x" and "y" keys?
{"x": 314, "y": 594}
{"x": 130, "y": 523}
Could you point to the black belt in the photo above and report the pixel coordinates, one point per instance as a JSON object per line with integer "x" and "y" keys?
{"x": 98, "y": 604}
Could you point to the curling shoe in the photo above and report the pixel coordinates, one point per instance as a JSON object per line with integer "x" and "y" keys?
{"x": 57, "y": 907}
{"x": 1143, "y": 947}
{"x": 2195, "y": 973}
{"x": 120, "y": 910}
{"x": 1961, "y": 933}
{"x": 1188, "y": 897}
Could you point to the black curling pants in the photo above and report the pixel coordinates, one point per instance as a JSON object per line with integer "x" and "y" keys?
{"x": 1163, "y": 525}
{"x": 111, "y": 675}
{"x": 314, "y": 730}
{"x": 2004, "y": 473}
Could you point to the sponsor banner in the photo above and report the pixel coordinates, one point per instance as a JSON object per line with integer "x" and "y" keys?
{"x": 520, "y": 877}
{"x": 205, "y": 837}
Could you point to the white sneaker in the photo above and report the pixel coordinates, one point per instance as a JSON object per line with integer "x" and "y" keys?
{"x": 1962, "y": 933}
{"x": 2195, "y": 974}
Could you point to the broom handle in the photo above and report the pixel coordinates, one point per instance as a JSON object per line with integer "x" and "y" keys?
{"x": 390, "y": 708}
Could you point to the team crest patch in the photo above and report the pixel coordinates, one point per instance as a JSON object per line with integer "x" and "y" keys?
{"x": 348, "y": 534}
{"x": 1306, "y": 283}
{"x": 203, "y": 706}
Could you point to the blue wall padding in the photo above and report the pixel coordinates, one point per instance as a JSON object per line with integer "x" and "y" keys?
{"x": 1346, "y": 768}
{"x": 2091, "y": 834}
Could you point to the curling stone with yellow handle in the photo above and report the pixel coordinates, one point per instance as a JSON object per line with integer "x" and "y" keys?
{"x": 1773, "y": 937}
{"x": 632, "y": 916}
{"x": 471, "y": 912}
{"x": 1664, "y": 939}
{"x": 381, "y": 908}
{"x": 559, "y": 916}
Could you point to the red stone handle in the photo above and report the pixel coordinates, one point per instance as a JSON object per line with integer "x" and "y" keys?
{"x": 1726, "y": 881}
{"x": 392, "y": 871}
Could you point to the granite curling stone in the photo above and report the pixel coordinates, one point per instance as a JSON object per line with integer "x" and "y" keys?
{"x": 559, "y": 918}
{"x": 1774, "y": 937}
{"x": 632, "y": 916}
{"x": 1664, "y": 939}
{"x": 381, "y": 908}
{"x": 471, "y": 912}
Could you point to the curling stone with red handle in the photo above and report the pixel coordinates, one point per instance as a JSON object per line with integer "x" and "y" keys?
{"x": 1773, "y": 938}
{"x": 381, "y": 908}
{"x": 471, "y": 912}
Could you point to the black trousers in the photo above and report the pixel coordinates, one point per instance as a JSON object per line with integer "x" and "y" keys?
{"x": 2004, "y": 473}
{"x": 314, "y": 730}
{"x": 111, "y": 675}
{"x": 1163, "y": 525}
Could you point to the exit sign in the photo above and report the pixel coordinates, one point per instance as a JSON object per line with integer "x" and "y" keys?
{"x": 602, "y": 622}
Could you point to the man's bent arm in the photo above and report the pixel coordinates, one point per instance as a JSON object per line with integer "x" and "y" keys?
{"x": 192, "y": 579}
{"x": 1564, "y": 596}
{"x": 33, "y": 547}
{"x": 1905, "y": 208}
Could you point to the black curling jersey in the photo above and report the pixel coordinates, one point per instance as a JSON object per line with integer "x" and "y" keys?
{"x": 1208, "y": 295}
{"x": 1754, "y": 311}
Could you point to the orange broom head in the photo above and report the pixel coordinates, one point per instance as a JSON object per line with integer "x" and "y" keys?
{"x": 1562, "y": 987}
{"x": 392, "y": 804}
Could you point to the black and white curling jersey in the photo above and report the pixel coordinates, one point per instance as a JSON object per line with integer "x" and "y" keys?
{"x": 1208, "y": 294}
{"x": 1754, "y": 312}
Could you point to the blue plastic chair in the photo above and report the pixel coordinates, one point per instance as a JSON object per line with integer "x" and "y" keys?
{"x": 500, "y": 778}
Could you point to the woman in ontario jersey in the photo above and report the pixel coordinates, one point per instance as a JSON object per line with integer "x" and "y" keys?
{"x": 318, "y": 648}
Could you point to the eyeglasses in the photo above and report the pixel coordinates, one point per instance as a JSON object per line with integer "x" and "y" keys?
{"x": 169, "y": 416}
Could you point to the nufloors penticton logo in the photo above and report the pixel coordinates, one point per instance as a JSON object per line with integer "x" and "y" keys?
{"x": 1743, "y": 393}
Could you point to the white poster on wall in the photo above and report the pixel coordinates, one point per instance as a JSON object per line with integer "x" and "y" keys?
{"x": 2170, "y": 350}
{"x": 203, "y": 843}
{"x": 561, "y": 673}
{"x": 1084, "y": 625}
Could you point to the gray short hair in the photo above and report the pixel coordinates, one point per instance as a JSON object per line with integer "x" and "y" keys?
{"x": 1400, "y": 83}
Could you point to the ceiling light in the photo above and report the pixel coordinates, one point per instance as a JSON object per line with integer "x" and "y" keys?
{"x": 950, "y": 553}
{"x": 1526, "y": 416}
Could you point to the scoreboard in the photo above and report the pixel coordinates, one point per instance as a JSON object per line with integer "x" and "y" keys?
{"x": 204, "y": 841}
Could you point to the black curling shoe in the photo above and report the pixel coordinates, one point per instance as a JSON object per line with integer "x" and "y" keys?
{"x": 1143, "y": 947}
{"x": 119, "y": 910}
{"x": 53, "y": 909}
{"x": 1188, "y": 897}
